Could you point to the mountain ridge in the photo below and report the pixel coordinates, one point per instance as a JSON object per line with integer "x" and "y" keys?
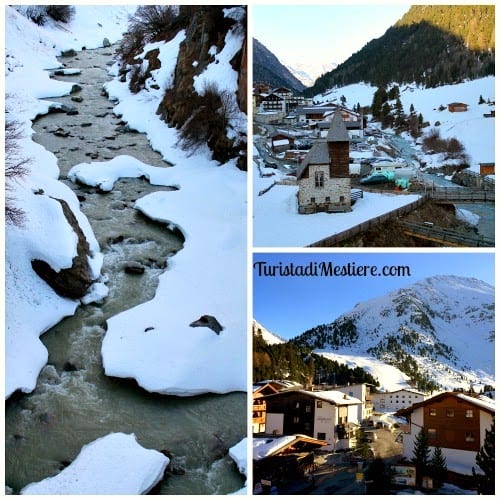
{"x": 267, "y": 68}
{"x": 431, "y": 45}
{"x": 437, "y": 331}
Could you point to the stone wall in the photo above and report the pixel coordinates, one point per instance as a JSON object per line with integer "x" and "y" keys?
{"x": 338, "y": 189}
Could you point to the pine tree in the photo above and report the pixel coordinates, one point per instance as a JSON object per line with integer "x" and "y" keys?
{"x": 421, "y": 452}
{"x": 438, "y": 467}
{"x": 485, "y": 459}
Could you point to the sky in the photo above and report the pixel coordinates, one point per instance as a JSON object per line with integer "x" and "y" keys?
{"x": 321, "y": 34}
{"x": 288, "y": 306}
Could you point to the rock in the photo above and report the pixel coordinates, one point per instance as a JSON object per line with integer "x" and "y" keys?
{"x": 49, "y": 375}
{"x": 69, "y": 367}
{"x": 106, "y": 43}
{"x": 68, "y": 53}
{"x": 77, "y": 98}
{"x": 133, "y": 267}
{"x": 72, "y": 112}
{"x": 75, "y": 281}
{"x": 60, "y": 132}
{"x": 75, "y": 88}
{"x": 86, "y": 124}
{"x": 209, "y": 322}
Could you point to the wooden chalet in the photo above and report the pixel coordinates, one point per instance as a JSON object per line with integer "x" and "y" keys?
{"x": 457, "y": 107}
{"x": 454, "y": 421}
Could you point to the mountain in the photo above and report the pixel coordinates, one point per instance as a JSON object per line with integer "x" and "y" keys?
{"x": 268, "y": 337}
{"x": 274, "y": 358}
{"x": 431, "y": 45}
{"x": 439, "y": 332}
{"x": 308, "y": 73}
{"x": 267, "y": 68}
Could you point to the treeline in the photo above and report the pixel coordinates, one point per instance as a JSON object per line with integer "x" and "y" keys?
{"x": 432, "y": 45}
{"x": 287, "y": 361}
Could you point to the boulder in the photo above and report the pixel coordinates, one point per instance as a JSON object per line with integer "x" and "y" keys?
{"x": 106, "y": 43}
{"x": 133, "y": 267}
{"x": 208, "y": 321}
{"x": 75, "y": 281}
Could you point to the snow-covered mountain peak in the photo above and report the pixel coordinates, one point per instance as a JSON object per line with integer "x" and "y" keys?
{"x": 438, "y": 331}
{"x": 268, "y": 337}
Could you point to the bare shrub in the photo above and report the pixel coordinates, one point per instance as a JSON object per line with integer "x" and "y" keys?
{"x": 153, "y": 22}
{"x": 62, "y": 13}
{"x": 15, "y": 168}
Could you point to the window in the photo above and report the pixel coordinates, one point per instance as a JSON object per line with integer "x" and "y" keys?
{"x": 313, "y": 200}
{"x": 450, "y": 412}
{"x": 470, "y": 437}
{"x": 469, "y": 413}
{"x": 296, "y": 420}
{"x": 322, "y": 436}
{"x": 308, "y": 408}
{"x": 307, "y": 426}
{"x": 319, "y": 404}
{"x": 327, "y": 199}
{"x": 342, "y": 199}
{"x": 319, "y": 179}
{"x": 432, "y": 412}
{"x": 431, "y": 433}
{"x": 297, "y": 405}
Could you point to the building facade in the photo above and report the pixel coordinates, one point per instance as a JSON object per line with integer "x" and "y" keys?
{"x": 323, "y": 178}
{"x": 456, "y": 422}
{"x": 396, "y": 400}
{"x": 330, "y": 416}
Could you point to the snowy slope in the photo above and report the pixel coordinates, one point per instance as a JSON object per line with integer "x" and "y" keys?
{"x": 445, "y": 324}
{"x": 269, "y": 338}
{"x": 308, "y": 72}
{"x": 474, "y": 131}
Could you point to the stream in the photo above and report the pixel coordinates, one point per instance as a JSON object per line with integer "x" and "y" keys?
{"x": 74, "y": 403}
{"x": 484, "y": 211}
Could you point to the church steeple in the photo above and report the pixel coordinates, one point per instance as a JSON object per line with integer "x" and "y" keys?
{"x": 338, "y": 146}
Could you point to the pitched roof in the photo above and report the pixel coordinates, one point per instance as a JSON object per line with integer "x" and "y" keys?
{"x": 317, "y": 155}
{"x": 337, "y": 131}
{"x": 486, "y": 404}
{"x": 336, "y": 397}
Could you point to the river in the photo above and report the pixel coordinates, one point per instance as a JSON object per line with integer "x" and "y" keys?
{"x": 74, "y": 402}
{"x": 485, "y": 212}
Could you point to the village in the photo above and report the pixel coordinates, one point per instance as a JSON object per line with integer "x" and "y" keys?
{"x": 354, "y": 440}
{"x": 340, "y": 163}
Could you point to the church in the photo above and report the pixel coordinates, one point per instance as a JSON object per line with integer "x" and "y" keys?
{"x": 323, "y": 178}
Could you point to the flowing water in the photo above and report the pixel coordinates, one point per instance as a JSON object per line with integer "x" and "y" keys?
{"x": 484, "y": 211}
{"x": 74, "y": 403}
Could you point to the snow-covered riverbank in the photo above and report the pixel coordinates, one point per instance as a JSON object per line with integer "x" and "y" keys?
{"x": 208, "y": 277}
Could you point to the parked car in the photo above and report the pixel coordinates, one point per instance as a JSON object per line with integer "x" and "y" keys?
{"x": 270, "y": 164}
{"x": 373, "y": 179}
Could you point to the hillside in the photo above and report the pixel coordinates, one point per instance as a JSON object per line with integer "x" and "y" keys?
{"x": 431, "y": 45}
{"x": 205, "y": 99}
{"x": 280, "y": 360}
{"x": 439, "y": 332}
{"x": 267, "y": 68}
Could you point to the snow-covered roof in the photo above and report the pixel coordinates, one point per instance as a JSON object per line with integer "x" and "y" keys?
{"x": 267, "y": 446}
{"x": 481, "y": 401}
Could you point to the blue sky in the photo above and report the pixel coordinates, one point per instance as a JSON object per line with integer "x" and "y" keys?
{"x": 321, "y": 33}
{"x": 288, "y": 306}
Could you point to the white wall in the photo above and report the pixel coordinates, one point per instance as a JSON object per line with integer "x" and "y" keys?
{"x": 274, "y": 422}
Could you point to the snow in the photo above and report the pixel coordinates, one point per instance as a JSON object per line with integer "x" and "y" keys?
{"x": 474, "y": 131}
{"x": 460, "y": 315}
{"x": 208, "y": 276}
{"x": 239, "y": 454}
{"x": 389, "y": 377}
{"x": 278, "y": 223}
{"x": 266, "y": 446}
{"x": 268, "y": 337}
{"x": 112, "y": 465}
